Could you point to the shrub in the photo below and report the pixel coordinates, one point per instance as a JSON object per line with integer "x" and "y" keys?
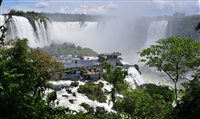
{"x": 141, "y": 103}
{"x": 48, "y": 85}
{"x": 93, "y": 91}
{"x": 101, "y": 84}
{"x": 87, "y": 107}
{"x": 116, "y": 77}
{"x": 51, "y": 97}
{"x": 74, "y": 84}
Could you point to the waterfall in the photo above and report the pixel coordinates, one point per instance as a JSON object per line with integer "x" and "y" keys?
{"x": 2, "y": 20}
{"x": 157, "y": 30}
{"x": 96, "y": 35}
{"x": 20, "y": 27}
{"x": 41, "y": 33}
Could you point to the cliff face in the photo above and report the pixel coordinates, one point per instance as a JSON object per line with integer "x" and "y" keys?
{"x": 184, "y": 26}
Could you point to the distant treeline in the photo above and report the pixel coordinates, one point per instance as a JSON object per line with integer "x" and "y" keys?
{"x": 68, "y": 49}
{"x": 31, "y": 16}
{"x": 72, "y": 17}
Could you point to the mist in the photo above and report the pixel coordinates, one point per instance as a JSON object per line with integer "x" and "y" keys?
{"x": 124, "y": 31}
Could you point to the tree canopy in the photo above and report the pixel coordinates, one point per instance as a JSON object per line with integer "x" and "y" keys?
{"x": 175, "y": 56}
{"x": 22, "y": 82}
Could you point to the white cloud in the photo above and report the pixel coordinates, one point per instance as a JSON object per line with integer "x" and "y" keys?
{"x": 63, "y": 10}
{"x": 163, "y": 4}
{"x": 42, "y": 4}
{"x": 111, "y": 6}
{"x": 98, "y": 9}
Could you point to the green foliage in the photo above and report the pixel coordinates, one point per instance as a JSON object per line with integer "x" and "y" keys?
{"x": 145, "y": 102}
{"x": 98, "y": 115}
{"x": 137, "y": 103}
{"x": 159, "y": 92}
{"x": 189, "y": 106}
{"x": 22, "y": 84}
{"x": 88, "y": 108}
{"x": 68, "y": 49}
{"x": 74, "y": 84}
{"x": 93, "y": 91}
{"x": 45, "y": 63}
{"x": 116, "y": 77}
{"x": 31, "y": 16}
{"x": 72, "y": 17}
{"x": 51, "y": 97}
{"x": 48, "y": 85}
{"x": 175, "y": 56}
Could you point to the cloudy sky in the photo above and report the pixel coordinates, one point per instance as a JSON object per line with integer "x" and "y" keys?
{"x": 105, "y": 7}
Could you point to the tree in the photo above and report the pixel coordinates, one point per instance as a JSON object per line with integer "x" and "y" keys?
{"x": 137, "y": 103}
{"x": 22, "y": 83}
{"x": 146, "y": 102}
{"x": 175, "y": 56}
{"x": 116, "y": 77}
{"x": 45, "y": 63}
{"x": 159, "y": 92}
{"x": 189, "y": 106}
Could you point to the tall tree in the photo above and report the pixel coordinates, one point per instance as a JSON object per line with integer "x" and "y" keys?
{"x": 175, "y": 56}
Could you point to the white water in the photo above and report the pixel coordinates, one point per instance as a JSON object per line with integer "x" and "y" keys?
{"x": 41, "y": 33}
{"x": 21, "y": 28}
{"x": 2, "y": 20}
{"x": 156, "y": 31}
{"x": 80, "y": 98}
{"x": 134, "y": 78}
{"x": 63, "y": 96}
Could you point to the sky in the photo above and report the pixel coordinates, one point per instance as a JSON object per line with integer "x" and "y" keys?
{"x": 105, "y": 7}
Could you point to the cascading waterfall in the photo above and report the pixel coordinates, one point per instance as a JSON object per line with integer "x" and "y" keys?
{"x": 49, "y": 32}
{"x": 157, "y": 30}
{"x": 41, "y": 33}
{"x": 20, "y": 27}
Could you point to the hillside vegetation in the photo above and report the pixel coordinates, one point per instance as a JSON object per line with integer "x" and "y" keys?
{"x": 68, "y": 49}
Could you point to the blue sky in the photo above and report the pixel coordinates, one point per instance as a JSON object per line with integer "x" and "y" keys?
{"x": 105, "y": 7}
